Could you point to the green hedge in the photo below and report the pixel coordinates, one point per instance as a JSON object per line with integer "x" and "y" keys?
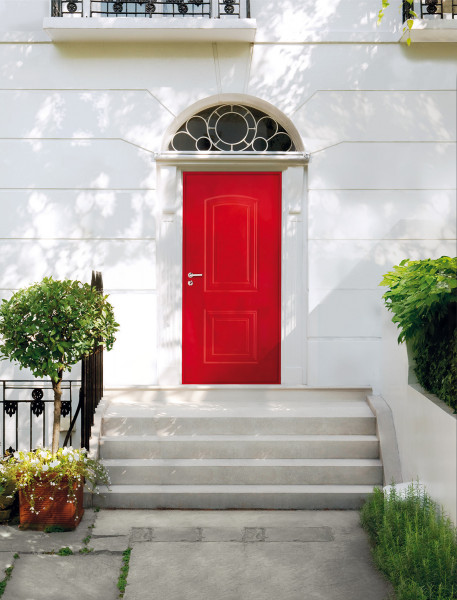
{"x": 414, "y": 546}
{"x": 422, "y": 295}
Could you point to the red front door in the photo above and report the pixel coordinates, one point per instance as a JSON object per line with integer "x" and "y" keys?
{"x": 231, "y": 278}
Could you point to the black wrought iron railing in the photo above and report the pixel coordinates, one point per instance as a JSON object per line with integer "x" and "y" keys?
{"x": 91, "y": 390}
{"x": 430, "y": 9}
{"x": 26, "y": 412}
{"x": 214, "y": 9}
{"x": 26, "y": 405}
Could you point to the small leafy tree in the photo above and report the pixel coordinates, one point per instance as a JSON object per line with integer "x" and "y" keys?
{"x": 49, "y": 326}
{"x": 422, "y": 295}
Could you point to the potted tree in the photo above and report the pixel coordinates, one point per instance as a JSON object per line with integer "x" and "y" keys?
{"x": 47, "y": 328}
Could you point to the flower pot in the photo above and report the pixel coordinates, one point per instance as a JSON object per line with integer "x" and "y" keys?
{"x": 64, "y": 510}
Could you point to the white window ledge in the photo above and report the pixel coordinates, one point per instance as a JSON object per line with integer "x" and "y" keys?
{"x": 138, "y": 29}
{"x": 432, "y": 30}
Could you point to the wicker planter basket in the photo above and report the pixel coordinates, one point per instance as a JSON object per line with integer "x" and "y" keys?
{"x": 61, "y": 511}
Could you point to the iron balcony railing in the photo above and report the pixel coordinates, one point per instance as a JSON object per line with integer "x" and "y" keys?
{"x": 211, "y": 9}
{"x": 430, "y": 9}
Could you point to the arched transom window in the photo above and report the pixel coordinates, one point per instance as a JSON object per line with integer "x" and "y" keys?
{"x": 231, "y": 128}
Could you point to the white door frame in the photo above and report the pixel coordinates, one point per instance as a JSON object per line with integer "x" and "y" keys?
{"x": 170, "y": 167}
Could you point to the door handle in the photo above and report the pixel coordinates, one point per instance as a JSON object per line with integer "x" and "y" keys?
{"x": 190, "y": 275}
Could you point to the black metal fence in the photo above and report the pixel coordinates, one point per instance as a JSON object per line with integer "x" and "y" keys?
{"x": 215, "y": 9}
{"x": 426, "y": 9}
{"x": 91, "y": 379}
{"x": 25, "y": 423}
{"x": 25, "y": 414}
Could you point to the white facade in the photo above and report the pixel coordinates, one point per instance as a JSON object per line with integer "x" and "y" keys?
{"x": 84, "y": 122}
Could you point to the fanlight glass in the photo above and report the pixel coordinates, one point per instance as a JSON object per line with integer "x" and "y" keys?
{"x": 231, "y": 128}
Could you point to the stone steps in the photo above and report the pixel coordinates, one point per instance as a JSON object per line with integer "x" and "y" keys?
{"x": 259, "y": 471}
{"x": 223, "y": 497}
{"x": 240, "y": 446}
{"x": 260, "y": 447}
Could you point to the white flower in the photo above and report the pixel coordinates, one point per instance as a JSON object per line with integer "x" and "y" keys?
{"x": 45, "y": 468}
{"x": 64, "y": 451}
{"x": 43, "y": 454}
{"x": 54, "y": 463}
{"x": 70, "y": 458}
{"x": 16, "y": 455}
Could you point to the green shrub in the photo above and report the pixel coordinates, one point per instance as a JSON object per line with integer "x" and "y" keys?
{"x": 413, "y": 545}
{"x": 49, "y": 326}
{"x": 422, "y": 295}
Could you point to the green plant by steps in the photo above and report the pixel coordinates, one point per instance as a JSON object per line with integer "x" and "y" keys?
{"x": 413, "y": 545}
{"x": 422, "y": 295}
{"x": 68, "y": 466}
{"x": 122, "y": 581}
{"x": 50, "y": 326}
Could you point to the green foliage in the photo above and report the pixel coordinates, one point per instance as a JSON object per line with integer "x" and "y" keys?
{"x": 8, "y": 572}
{"x": 413, "y": 545}
{"x": 54, "y": 529}
{"x": 51, "y": 325}
{"x": 66, "y": 551}
{"x": 67, "y": 467}
{"x": 422, "y": 295}
{"x": 122, "y": 581}
{"x": 409, "y": 22}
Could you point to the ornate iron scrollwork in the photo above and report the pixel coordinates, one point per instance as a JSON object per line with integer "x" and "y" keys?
{"x": 65, "y": 408}
{"x": 117, "y": 7}
{"x": 10, "y": 407}
{"x": 37, "y": 394}
{"x": 432, "y": 6}
{"x": 150, "y": 7}
{"x": 72, "y": 7}
{"x": 229, "y": 6}
{"x": 37, "y": 407}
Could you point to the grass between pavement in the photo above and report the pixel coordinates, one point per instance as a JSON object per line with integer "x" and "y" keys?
{"x": 413, "y": 544}
{"x": 122, "y": 581}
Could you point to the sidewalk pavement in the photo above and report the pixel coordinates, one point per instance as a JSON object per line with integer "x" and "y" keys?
{"x": 196, "y": 555}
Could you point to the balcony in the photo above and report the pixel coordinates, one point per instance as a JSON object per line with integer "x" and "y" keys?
{"x": 150, "y": 20}
{"x": 436, "y": 20}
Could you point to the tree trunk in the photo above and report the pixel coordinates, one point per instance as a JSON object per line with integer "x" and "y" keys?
{"x": 56, "y": 386}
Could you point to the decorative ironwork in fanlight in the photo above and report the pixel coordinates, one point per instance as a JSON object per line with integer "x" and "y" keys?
{"x": 231, "y": 128}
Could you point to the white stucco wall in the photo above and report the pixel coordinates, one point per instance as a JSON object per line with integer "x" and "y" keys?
{"x": 426, "y": 430}
{"x": 80, "y": 124}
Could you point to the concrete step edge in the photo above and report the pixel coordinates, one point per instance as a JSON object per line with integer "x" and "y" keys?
{"x": 236, "y": 489}
{"x": 244, "y": 462}
{"x": 251, "y": 438}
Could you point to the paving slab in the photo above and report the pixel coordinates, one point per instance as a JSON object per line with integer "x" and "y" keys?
{"x": 51, "y": 577}
{"x": 260, "y": 555}
{"x": 6, "y": 560}
{"x": 117, "y": 543}
{"x": 121, "y": 522}
{"x": 258, "y": 571}
{"x": 14, "y": 539}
